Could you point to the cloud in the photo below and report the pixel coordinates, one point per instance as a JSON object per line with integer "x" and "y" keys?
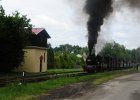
{"x": 56, "y": 17}
{"x": 66, "y": 23}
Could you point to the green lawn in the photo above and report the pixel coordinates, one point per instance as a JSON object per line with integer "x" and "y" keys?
{"x": 32, "y": 90}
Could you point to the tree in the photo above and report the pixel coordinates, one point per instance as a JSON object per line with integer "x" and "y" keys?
{"x": 71, "y": 49}
{"x": 57, "y": 63}
{"x": 115, "y": 50}
{"x": 50, "y": 57}
{"x": 136, "y": 55}
{"x": 14, "y": 30}
{"x": 65, "y": 56}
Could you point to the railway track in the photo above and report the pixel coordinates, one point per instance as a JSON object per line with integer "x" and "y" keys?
{"x": 29, "y": 78}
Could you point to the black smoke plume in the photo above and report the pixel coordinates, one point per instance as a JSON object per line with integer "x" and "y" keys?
{"x": 97, "y": 11}
{"x": 132, "y": 3}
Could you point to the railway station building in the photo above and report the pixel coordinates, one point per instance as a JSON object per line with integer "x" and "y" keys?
{"x": 35, "y": 57}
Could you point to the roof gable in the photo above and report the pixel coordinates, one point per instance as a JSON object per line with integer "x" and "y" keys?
{"x": 37, "y": 30}
{"x": 40, "y": 30}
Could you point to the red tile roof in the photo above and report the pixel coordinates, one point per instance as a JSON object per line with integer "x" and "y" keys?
{"x": 37, "y": 30}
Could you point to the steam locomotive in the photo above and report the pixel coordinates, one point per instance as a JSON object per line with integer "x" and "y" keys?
{"x": 99, "y": 63}
{"x": 94, "y": 64}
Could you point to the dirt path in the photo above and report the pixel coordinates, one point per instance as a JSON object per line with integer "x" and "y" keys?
{"x": 67, "y": 91}
{"x": 122, "y": 88}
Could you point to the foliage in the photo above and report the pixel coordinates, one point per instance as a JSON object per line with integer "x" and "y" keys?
{"x": 65, "y": 60}
{"x": 50, "y": 57}
{"x": 71, "y": 49}
{"x": 14, "y": 30}
{"x": 116, "y": 50}
{"x": 66, "y": 56}
{"x": 136, "y": 55}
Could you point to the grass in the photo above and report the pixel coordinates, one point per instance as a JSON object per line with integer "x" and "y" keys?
{"x": 32, "y": 90}
{"x": 50, "y": 71}
{"x": 63, "y": 70}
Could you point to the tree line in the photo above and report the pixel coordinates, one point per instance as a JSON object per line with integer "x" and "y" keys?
{"x": 116, "y": 50}
{"x": 68, "y": 56}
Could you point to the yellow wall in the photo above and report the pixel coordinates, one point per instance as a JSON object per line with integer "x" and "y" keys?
{"x": 32, "y": 59}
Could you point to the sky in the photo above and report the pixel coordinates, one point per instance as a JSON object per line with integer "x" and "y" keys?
{"x": 65, "y": 21}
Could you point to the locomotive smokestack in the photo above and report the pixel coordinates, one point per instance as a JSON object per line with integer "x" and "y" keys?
{"x": 97, "y": 11}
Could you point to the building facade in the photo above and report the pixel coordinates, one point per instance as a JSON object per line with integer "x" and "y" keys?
{"x": 35, "y": 57}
